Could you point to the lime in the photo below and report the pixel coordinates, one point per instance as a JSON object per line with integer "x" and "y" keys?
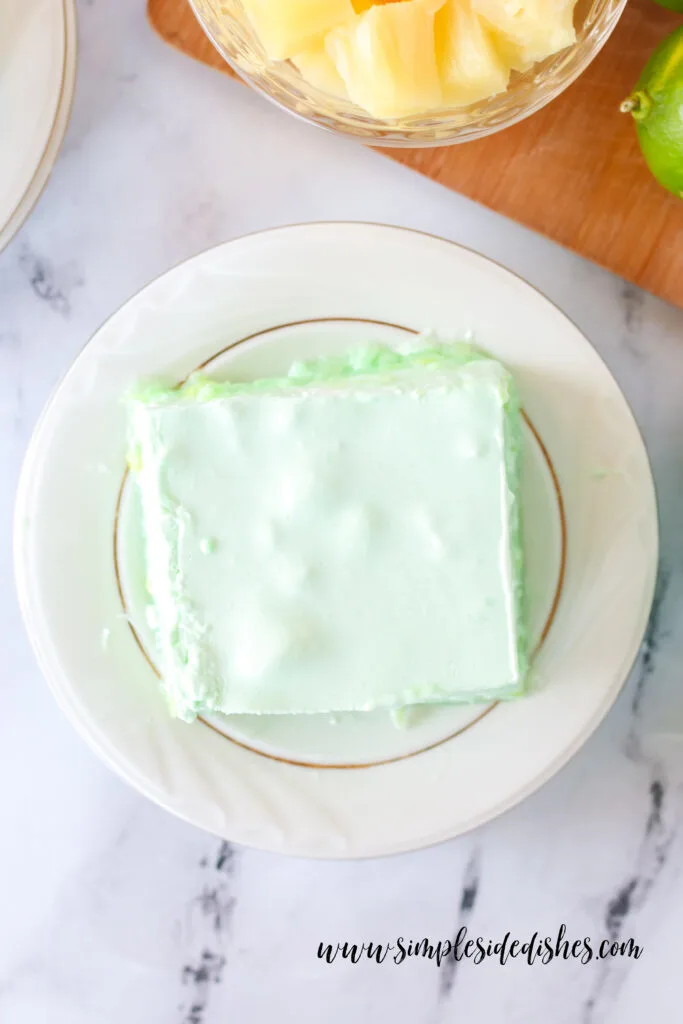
{"x": 657, "y": 108}
{"x": 672, "y": 5}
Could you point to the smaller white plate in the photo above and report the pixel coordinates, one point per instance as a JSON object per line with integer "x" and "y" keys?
{"x": 37, "y": 78}
{"x": 355, "y": 739}
{"x": 357, "y": 786}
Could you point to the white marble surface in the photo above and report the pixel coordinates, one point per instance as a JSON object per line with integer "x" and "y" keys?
{"x": 111, "y": 910}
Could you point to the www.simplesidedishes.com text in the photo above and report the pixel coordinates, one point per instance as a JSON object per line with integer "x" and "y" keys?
{"x": 536, "y": 949}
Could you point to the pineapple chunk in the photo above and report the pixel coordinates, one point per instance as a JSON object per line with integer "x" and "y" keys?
{"x": 365, "y": 5}
{"x": 317, "y": 68}
{"x": 288, "y": 27}
{"x": 469, "y": 65}
{"x": 387, "y": 59}
{"x": 526, "y": 31}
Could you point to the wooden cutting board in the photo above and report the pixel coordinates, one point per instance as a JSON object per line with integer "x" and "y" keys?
{"x": 573, "y": 171}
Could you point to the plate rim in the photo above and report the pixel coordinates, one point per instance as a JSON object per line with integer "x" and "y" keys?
{"x": 630, "y": 656}
{"x": 40, "y": 178}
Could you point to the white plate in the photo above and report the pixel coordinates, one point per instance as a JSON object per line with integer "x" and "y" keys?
{"x": 37, "y": 77}
{"x": 307, "y": 785}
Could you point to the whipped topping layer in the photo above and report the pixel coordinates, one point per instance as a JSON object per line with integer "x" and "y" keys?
{"x": 342, "y": 539}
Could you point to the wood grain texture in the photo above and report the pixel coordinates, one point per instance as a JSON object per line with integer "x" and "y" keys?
{"x": 573, "y": 171}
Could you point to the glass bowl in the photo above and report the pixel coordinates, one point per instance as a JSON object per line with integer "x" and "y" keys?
{"x": 229, "y": 29}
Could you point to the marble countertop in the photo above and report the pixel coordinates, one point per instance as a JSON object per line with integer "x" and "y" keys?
{"x": 112, "y": 910}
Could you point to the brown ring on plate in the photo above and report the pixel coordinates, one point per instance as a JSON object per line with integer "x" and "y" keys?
{"x": 400, "y": 757}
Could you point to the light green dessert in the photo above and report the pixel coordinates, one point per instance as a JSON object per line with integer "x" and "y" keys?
{"x": 342, "y": 539}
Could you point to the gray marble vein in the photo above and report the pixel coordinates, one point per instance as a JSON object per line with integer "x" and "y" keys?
{"x": 654, "y": 635}
{"x": 466, "y": 903}
{"x": 208, "y": 924}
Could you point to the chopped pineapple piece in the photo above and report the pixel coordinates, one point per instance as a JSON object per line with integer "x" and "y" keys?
{"x": 469, "y": 65}
{"x": 526, "y": 31}
{"x": 317, "y": 67}
{"x": 288, "y": 27}
{"x": 365, "y": 5}
{"x": 386, "y": 57}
